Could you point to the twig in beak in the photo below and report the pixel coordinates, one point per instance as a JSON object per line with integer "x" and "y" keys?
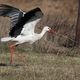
{"x": 51, "y": 31}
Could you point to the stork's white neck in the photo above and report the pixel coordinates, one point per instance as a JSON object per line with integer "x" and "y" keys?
{"x": 43, "y": 32}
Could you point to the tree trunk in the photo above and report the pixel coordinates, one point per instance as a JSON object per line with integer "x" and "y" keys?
{"x": 77, "y": 37}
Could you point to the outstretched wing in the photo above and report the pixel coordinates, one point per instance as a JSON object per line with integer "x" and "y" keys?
{"x": 12, "y": 12}
{"x": 21, "y": 21}
{"x": 27, "y": 23}
{"x": 28, "y": 29}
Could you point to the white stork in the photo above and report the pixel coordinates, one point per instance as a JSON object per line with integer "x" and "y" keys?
{"x": 22, "y": 25}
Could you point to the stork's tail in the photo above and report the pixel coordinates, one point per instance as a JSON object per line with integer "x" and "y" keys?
{"x": 6, "y": 39}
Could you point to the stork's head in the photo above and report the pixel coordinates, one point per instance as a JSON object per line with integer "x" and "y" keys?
{"x": 46, "y": 28}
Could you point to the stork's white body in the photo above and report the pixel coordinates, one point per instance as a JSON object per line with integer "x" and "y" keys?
{"x": 27, "y": 34}
{"x": 30, "y": 38}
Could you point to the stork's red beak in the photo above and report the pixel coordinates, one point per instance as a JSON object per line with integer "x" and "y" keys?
{"x": 51, "y": 31}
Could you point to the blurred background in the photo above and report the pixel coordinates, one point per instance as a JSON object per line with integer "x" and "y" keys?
{"x": 61, "y": 15}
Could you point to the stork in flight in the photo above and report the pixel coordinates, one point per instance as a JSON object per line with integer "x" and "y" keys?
{"x": 22, "y": 26}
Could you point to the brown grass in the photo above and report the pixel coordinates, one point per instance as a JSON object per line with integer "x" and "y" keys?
{"x": 40, "y": 67}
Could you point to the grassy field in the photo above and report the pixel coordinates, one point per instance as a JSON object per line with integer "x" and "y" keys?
{"x": 39, "y": 66}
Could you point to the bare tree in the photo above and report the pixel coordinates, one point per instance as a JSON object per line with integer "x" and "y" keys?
{"x": 77, "y": 38}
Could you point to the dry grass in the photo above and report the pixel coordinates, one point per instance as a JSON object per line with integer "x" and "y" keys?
{"x": 41, "y": 67}
{"x": 64, "y": 35}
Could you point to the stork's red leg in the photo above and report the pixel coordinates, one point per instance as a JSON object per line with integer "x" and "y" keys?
{"x": 12, "y": 47}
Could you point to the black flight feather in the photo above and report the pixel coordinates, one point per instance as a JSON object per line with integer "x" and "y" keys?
{"x": 18, "y": 18}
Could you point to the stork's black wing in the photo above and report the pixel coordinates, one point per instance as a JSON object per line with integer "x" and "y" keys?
{"x": 19, "y": 18}
{"x": 31, "y": 16}
{"x": 14, "y": 13}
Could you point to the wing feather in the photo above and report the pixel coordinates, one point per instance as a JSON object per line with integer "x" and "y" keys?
{"x": 8, "y": 11}
{"x": 29, "y": 28}
{"x": 21, "y": 22}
